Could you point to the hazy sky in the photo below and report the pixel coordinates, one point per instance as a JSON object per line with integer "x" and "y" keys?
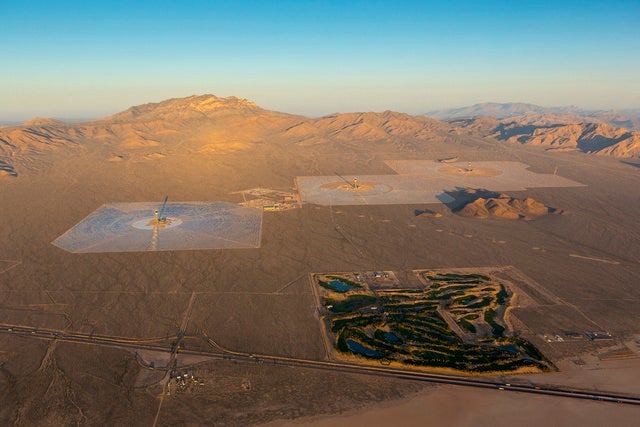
{"x": 93, "y": 58}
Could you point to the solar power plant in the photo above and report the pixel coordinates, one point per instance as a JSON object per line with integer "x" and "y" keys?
{"x": 135, "y": 227}
{"x": 423, "y": 181}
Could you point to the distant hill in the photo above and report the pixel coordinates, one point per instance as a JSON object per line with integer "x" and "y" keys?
{"x": 537, "y": 115}
{"x": 207, "y": 124}
{"x": 9, "y": 123}
{"x": 499, "y": 110}
{"x": 505, "y": 207}
{"x": 184, "y": 123}
{"x": 42, "y": 121}
{"x": 214, "y": 121}
{"x": 385, "y": 126}
{"x": 595, "y": 138}
{"x": 598, "y": 138}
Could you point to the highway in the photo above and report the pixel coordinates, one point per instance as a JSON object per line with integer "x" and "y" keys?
{"x": 222, "y": 354}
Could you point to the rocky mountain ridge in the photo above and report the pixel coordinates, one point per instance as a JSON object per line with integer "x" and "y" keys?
{"x": 537, "y": 115}
{"x": 208, "y": 124}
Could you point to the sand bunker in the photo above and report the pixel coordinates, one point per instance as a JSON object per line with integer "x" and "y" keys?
{"x": 130, "y": 227}
{"x": 424, "y": 181}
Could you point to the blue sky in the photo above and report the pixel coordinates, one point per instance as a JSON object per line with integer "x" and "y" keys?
{"x": 88, "y": 59}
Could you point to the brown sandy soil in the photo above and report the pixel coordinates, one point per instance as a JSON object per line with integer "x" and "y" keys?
{"x": 454, "y": 406}
{"x": 587, "y": 370}
{"x": 561, "y": 149}
{"x": 259, "y": 300}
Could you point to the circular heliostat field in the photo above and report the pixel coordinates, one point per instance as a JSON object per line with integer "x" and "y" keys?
{"x": 469, "y": 171}
{"x": 130, "y": 227}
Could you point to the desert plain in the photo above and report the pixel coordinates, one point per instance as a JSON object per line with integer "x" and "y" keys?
{"x": 578, "y": 273}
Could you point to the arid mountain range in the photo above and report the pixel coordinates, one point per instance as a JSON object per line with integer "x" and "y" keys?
{"x": 594, "y": 138}
{"x": 210, "y": 125}
{"x": 536, "y": 115}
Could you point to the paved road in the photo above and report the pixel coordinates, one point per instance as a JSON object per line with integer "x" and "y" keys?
{"x": 222, "y": 354}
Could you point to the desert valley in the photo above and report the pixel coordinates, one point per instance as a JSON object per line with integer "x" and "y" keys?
{"x": 206, "y": 259}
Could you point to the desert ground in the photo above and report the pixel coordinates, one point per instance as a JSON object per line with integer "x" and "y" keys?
{"x": 451, "y": 406}
{"x": 585, "y": 266}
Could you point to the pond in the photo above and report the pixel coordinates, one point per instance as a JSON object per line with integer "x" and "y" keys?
{"x": 339, "y": 286}
{"x": 358, "y": 348}
{"x": 510, "y": 348}
{"x": 391, "y": 337}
